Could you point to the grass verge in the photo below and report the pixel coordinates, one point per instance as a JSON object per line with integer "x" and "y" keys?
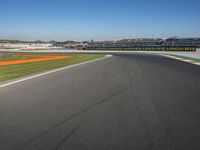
{"x": 16, "y": 71}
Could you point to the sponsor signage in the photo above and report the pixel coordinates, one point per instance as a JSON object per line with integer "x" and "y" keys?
{"x": 147, "y": 48}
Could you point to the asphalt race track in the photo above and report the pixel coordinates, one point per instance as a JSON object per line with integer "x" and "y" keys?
{"x": 119, "y": 103}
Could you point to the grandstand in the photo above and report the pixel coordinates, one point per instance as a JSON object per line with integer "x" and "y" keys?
{"x": 139, "y": 42}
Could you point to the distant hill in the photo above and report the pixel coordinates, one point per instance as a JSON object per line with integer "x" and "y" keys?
{"x": 20, "y": 41}
{"x": 38, "y": 41}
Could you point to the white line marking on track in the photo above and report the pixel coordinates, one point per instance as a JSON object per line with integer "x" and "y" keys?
{"x": 52, "y": 71}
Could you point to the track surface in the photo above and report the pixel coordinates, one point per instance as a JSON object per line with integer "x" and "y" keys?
{"x": 122, "y": 102}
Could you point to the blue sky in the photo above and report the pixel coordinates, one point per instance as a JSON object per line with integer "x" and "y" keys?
{"x": 98, "y": 19}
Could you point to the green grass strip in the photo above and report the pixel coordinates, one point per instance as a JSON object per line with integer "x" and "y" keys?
{"x": 16, "y": 71}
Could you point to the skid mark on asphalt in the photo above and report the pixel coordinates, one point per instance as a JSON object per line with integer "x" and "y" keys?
{"x": 79, "y": 113}
{"x": 142, "y": 120}
{"x": 64, "y": 139}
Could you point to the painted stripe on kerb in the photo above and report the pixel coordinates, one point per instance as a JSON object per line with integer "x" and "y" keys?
{"x": 182, "y": 59}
